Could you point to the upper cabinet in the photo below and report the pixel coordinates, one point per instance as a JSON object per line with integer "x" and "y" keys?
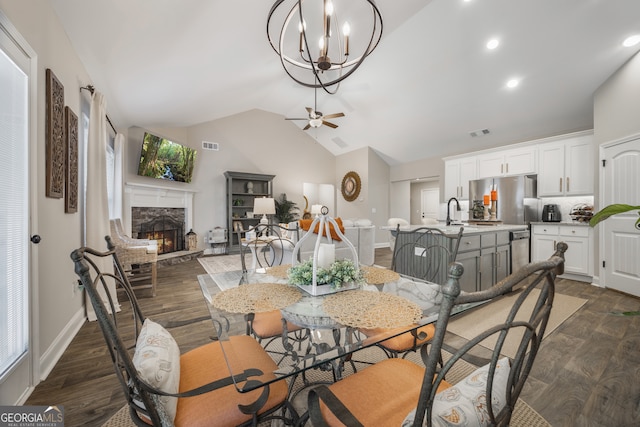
{"x": 515, "y": 161}
{"x": 566, "y": 167}
{"x": 457, "y": 174}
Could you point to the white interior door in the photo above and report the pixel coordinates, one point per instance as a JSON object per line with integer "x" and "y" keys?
{"x": 621, "y": 238}
{"x": 430, "y": 199}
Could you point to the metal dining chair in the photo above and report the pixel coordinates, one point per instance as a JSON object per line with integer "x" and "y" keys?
{"x": 402, "y": 393}
{"x": 270, "y": 245}
{"x": 424, "y": 254}
{"x": 162, "y": 386}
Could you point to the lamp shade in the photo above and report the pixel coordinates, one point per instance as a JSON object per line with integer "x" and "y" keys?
{"x": 264, "y": 206}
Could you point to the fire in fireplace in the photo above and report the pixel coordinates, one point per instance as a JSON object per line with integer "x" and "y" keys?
{"x": 166, "y": 225}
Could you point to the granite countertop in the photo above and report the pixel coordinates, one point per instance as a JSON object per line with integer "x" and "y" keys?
{"x": 468, "y": 229}
{"x": 562, "y": 223}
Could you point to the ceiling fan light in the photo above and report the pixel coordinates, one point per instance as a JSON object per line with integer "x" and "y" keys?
{"x": 315, "y": 123}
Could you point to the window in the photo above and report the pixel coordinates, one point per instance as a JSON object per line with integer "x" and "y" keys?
{"x": 14, "y": 213}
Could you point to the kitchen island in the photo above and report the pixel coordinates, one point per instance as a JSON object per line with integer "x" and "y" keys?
{"x": 484, "y": 251}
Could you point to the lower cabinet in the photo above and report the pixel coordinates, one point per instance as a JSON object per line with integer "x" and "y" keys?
{"x": 485, "y": 258}
{"x": 545, "y": 237}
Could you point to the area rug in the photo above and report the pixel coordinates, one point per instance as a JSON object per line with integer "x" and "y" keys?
{"x": 472, "y": 323}
{"x": 218, "y": 264}
{"x": 523, "y": 416}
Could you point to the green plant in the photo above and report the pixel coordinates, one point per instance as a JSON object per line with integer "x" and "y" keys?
{"x": 605, "y": 213}
{"x": 610, "y": 210}
{"x": 286, "y": 210}
{"x": 341, "y": 271}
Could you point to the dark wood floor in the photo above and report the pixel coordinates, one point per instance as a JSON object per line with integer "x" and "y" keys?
{"x": 587, "y": 372}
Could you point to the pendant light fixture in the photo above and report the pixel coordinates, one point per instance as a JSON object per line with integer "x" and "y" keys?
{"x": 322, "y": 42}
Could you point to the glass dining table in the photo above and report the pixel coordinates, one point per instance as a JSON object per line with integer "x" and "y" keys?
{"x": 387, "y": 304}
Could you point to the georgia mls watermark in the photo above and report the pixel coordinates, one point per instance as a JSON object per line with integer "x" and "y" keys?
{"x": 31, "y": 416}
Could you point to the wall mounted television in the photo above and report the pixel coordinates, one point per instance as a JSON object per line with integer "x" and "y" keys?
{"x": 164, "y": 159}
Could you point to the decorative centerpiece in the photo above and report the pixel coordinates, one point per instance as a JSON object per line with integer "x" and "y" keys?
{"x": 323, "y": 274}
{"x": 340, "y": 275}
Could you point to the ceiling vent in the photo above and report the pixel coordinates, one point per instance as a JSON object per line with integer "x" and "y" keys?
{"x": 339, "y": 142}
{"x": 213, "y": 146}
{"x": 481, "y": 132}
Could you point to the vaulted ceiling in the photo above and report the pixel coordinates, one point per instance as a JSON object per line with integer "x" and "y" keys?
{"x": 431, "y": 80}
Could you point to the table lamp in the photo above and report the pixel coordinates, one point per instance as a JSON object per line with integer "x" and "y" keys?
{"x": 265, "y": 206}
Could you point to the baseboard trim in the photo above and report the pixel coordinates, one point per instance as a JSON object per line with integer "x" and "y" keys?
{"x": 381, "y": 245}
{"x": 50, "y": 357}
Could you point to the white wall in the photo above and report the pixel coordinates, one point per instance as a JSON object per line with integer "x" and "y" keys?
{"x": 60, "y": 311}
{"x": 373, "y": 201}
{"x": 254, "y": 141}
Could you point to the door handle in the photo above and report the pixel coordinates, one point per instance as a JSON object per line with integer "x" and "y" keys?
{"x": 36, "y": 239}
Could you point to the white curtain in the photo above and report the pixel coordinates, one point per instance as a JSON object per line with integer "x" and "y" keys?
{"x": 97, "y": 203}
{"x": 118, "y": 174}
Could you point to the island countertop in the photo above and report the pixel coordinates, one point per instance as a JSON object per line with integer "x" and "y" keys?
{"x": 468, "y": 229}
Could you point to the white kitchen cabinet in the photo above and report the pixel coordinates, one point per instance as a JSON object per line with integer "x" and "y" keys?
{"x": 457, "y": 174}
{"x": 577, "y": 237}
{"x": 566, "y": 167}
{"x": 515, "y": 161}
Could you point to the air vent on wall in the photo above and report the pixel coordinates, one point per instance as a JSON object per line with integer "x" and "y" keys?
{"x": 214, "y": 146}
{"x": 481, "y": 132}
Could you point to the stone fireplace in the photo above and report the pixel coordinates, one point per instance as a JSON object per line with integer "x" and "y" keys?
{"x": 166, "y": 225}
{"x": 161, "y": 213}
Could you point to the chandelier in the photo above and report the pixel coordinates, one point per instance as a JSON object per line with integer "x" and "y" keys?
{"x": 315, "y": 47}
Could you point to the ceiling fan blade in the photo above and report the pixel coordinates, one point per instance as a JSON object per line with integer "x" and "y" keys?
{"x": 331, "y": 125}
{"x": 333, "y": 116}
{"x": 296, "y": 118}
{"x": 309, "y": 110}
{"x": 306, "y": 127}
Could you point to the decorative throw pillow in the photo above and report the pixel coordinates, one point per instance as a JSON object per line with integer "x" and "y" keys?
{"x": 465, "y": 404}
{"x": 157, "y": 360}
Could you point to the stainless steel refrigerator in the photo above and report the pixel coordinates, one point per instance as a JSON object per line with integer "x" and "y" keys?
{"x": 517, "y": 197}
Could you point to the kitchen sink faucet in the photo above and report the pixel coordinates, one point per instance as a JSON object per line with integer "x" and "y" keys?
{"x": 449, "y": 209}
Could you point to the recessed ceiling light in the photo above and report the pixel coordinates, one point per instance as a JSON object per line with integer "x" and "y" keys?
{"x": 631, "y": 41}
{"x": 513, "y": 83}
{"x": 492, "y": 44}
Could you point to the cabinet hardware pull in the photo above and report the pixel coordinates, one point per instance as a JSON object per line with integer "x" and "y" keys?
{"x": 560, "y": 184}
{"x": 568, "y": 184}
{"x": 507, "y": 170}
{"x": 501, "y": 167}
{"x": 554, "y": 245}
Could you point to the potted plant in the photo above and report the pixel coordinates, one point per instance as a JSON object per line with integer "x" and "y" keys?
{"x": 605, "y": 213}
{"x": 286, "y": 210}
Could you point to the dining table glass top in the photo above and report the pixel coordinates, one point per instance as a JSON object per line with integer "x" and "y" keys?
{"x": 386, "y": 306}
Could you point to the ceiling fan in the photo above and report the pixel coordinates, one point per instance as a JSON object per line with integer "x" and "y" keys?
{"x": 316, "y": 118}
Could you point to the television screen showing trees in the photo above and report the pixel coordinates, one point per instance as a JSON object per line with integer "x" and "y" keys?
{"x": 164, "y": 159}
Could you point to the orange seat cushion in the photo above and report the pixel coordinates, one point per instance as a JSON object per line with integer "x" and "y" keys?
{"x": 220, "y": 407}
{"x": 403, "y": 342}
{"x": 386, "y": 391}
{"x": 269, "y": 324}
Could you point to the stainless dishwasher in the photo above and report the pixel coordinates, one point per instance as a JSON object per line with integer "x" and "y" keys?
{"x": 519, "y": 249}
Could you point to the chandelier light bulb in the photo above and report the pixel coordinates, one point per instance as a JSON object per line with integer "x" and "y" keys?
{"x": 346, "y": 29}
{"x": 329, "y": 8}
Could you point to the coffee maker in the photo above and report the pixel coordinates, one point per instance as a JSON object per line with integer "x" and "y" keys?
{"x": 551, "y": 213}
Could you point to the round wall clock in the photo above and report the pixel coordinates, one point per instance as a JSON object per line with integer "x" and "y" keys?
{"x": 350, "y": 186}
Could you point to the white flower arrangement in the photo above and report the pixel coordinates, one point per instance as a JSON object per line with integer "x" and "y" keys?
{"x": 341, "y": 271}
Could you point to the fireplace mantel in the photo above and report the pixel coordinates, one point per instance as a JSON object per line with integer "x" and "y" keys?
{"x": 157, "y": 196}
